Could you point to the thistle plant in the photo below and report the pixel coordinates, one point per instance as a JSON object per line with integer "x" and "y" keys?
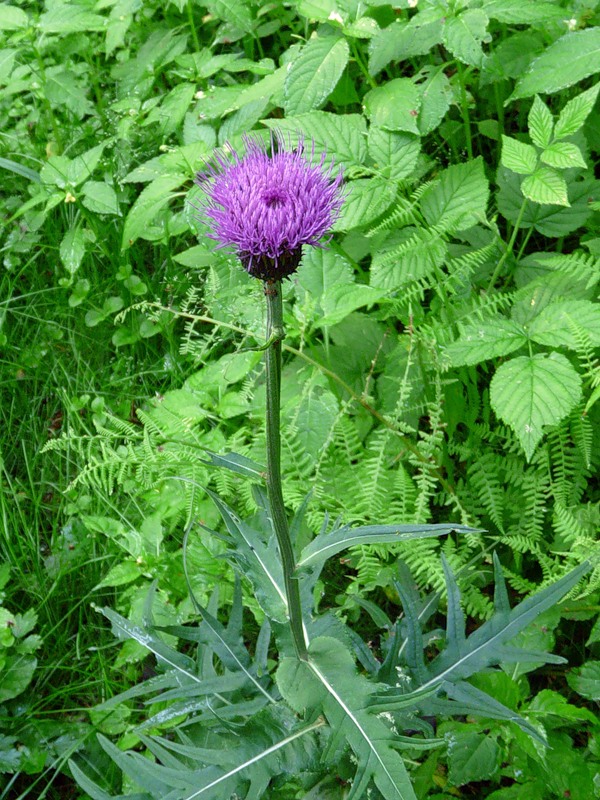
{"x": 230, "y": 725}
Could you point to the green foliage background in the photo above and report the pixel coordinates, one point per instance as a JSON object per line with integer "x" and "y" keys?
{"x": 441, "y": 359}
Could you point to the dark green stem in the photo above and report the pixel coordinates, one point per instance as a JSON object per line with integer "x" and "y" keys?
{"x": 275, "y": 334}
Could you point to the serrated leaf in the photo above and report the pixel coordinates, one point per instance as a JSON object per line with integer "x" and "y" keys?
{"x": 459, "y": 196}
{"x": 235, "y": 12}
{"x": 173, "y": 108}
{"x": 553, "y": 325}
{"x": 563, "y": 155}
{"x": 463, "y": 35}
{"x": 530, "y": 392}
{"x": 72, "y": 249}
{"x": 63, "y": 88}
{"x": 12, "y": 18}
{"x": 100, "y": 197}
{"x": 402, "y": 40}
{"x": 395, "y": 154}
{"x": 540, "y": 122}
{"x": 522, "y": 12}
{"x": 436, "y": 97}
{"x": 547, "y": 187}
{"x": 586, "y": 680}
{"x": 471, "y": 757}
{"x": 366, "y": 199}
{"x": 490, "y": 339}
{"x": 575, "y": 113}
{"x": 341, "y": 136}
{"x": 70, "y": 18}
{"x": 418, "y": 254}
{"x": 154, "y": 197}
{"x": 313, "y": 75}
{"x": 394, "y": 106}
{"x": 570, "y": 59}
{"x": 517, "y": 156}
{"x": 15, "y": 675}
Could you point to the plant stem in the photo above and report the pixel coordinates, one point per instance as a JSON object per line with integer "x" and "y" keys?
{"x": 464, "y": 108}
{"x": 509, "y": 246}
{"x": 275, "y": 332}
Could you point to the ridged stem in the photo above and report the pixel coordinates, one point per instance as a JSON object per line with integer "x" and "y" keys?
{"x": 275, "y": 335}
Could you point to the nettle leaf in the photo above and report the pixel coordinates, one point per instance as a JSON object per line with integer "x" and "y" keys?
{"x": 366, "y": 199}
{"x": 554, "y": 325}
{"x": 575, "y": 113}
{"x": 517, "y": 156}
{"x": 575, "y": 56}
{"x": 522, "y": 12}
{"x": 395, "y": 154}
{"x": 395, "y": 105}
{"x": 547, "y": 187}
{"x": 235, "y": 12}
{"x": 340, "y": 136}
{"x": 464, "y": 34}
{"x": 529, "y": 392}
{"x": 436, "y": 97}
{"x": 402, "y": 40}
{"x": 459, "y": 195}
{"x": 490, "y": 339}
{"x": 313, "y": 75}
{"x": 563, "y": 155}
{"x": 540, "y": 122}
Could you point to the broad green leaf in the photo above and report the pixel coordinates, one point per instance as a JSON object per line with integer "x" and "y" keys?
{"x": 154, "y": 197}
{"x": 553, "y": 326}
{"x": 326, "y": 545}
{"x": 464, "y": 33}
{"x": 235, "y": 12}
{"x": 72, "y": 249}
{"x": 70, "y": 18}
{"x": 471, "y": 757}
{"x": 12, "y": 18}
{"x": 62, "y": 88}
{"x": 519, "y": 157}
{"x": 570, "y": 59}
{"x": 511, "y": 56}
{"x": 540, "y": 122}
{"x": 530, "y": 392}
{"x": 417, "y": 254}
{"x": 100, "y": 197}
{"x": 586, "y": 680}
{"x": 563, "y": 155}
{"x": 522, "y": 12}
{"x": 550, "y": 703}
{"x": 490, "y": 339}
{"x": 340, "y": 136}
{"x": 436, "y": 97}
{"x": 170, "y": 113}
{"x": 329, "y": 278}
{"x": 395, "y": 154}
{"x": 575, "y": 113}
{"x": 458, "y": 197}
{"x": 547, "y": 187}
{"x": 403, "y": 40}
{"x": 365, "y": 200}
{"x": 313, "y": 75}
{"x": 15, "y": 675}
{"x": 394, "y": 106}
{"x": 121, "y": 574}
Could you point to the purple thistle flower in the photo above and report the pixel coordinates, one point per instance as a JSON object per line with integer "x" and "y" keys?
{"x": 267, "y": 206}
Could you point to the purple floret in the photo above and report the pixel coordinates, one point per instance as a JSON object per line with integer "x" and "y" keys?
{"x": 267, "y": 206}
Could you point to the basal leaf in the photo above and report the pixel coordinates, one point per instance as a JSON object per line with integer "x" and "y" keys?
{"x": 490, "y": 339}
{"x": 575, "y": 56}
{"x": 460, "y": 194}
{"x": 313, "y": 75}
{"x": 464, "y": 33}
{"x": 394, "y": 106}
{"x": 530, "y": 392}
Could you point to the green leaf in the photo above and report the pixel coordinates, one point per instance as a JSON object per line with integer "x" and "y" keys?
{"x": 403, "y": 40}
{"x": 170, "y": 113}
{"x": 540, "y": 122}
{"x": 12, "y": 18}
{"x": 63, "y": 88}
{"x": 72, "y": 249}
{"x": 327, "y": 545}
{"x": 586, "y": 680}
{"x": 522, "y": 12}
{"x": 554, "y": 325}
{"x": 464, "y": 33}
{"x": 570, "y": 59}
{"x": 436, "y": 97}
{"x": 341, "y": 136}
{"x": 395, "y": 154}
{"x": 549, "y": 703}
{"x": 530, "y": 392}
{"x": 16, "y": 675}
{"x": 471, "y": 757}
{"x": 417, "y": 254}
{"x": 394, "y": 106}
{"x": 563, "y": 155}
{"x": 490, "y": 339}
{"x": 547, "y": 187}
{"x": 518, "y": 157}
{"x": 235, "y": 12}
{"x": 313, "y": 75}
{"x": 100, "y": 197}
{"x": 365, "y": 200}
{"x": 575, "y": 113}
{"x": 121, "y": 574}
{"x": 70, "y": 18}
{"x": 154, "y": 197}
{"x": 459, "y": 196}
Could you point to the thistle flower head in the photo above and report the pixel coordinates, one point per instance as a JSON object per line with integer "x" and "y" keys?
{"x": 267, "y": 205}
